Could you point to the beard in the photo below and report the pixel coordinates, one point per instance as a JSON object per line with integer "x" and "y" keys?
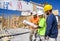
{"x": 47, "y": 13}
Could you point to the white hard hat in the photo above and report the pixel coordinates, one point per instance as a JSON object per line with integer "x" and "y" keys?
{"x": 34, "y": 13}
{"x": 40, "y": 13}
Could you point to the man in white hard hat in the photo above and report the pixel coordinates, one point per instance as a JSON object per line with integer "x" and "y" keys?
{"x": 34, "y": 20}
{"x": 42, "y": 25}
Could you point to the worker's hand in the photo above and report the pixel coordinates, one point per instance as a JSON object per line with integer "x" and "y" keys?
{"x": 38, "y": 27}
{"x": 46, "y": 37}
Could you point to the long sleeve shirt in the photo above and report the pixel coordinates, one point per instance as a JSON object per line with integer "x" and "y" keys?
{"x": 52, "y": 26}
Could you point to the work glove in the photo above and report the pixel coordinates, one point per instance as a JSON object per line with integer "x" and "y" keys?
{"x": 39, "y": 27}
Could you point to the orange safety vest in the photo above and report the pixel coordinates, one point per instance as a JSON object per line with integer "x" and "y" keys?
{"x": 35, "y": 21}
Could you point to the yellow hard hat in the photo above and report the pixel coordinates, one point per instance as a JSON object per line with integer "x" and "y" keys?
{"x": 47, "y": 7}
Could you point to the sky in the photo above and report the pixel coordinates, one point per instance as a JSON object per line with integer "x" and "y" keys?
{"x": 54, "y": 3}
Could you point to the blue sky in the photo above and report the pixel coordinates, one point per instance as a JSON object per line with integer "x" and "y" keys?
{"x": 54, "y": 3}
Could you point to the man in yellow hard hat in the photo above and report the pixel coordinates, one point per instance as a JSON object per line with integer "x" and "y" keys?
{"x": 51, "y": 22}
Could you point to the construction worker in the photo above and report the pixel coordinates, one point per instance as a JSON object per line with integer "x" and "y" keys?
{"x": 34, "y": 20}
{"x": 51, "y": 22}
{"x": 42, "y": 25}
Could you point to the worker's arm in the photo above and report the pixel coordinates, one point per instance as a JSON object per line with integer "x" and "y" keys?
{"x": 30, "y": 21}
{"x": 49, "y": 22}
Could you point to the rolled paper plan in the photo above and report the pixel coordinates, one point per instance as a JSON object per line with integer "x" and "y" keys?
{"x": 29, "y": 23}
